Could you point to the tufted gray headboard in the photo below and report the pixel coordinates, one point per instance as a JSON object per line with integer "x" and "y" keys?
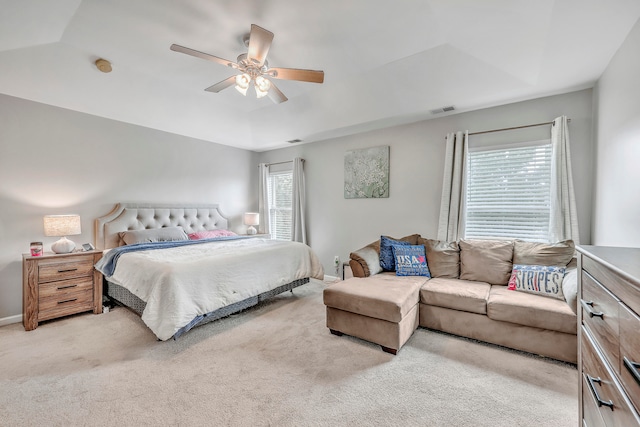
{"x": 136, "y": 216}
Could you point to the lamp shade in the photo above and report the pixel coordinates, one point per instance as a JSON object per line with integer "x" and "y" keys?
{"x": 62, "y": 225}
{"x": 252, "y": 218}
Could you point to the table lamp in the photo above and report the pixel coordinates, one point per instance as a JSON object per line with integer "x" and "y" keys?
{"x": 251, "y": 219}
{"x": 62, "y": 226}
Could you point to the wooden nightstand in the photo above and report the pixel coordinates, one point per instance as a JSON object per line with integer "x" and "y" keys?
{"x": 56, "y": 285}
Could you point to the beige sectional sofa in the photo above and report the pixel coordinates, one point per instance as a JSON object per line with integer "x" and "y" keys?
{"x": 467, "y": 295}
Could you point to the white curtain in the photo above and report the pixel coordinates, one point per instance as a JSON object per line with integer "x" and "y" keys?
{"x": 563, "y": 221}
{"x": 298, "y": 212}
{"x": 451, "y": 222}
{"x": 263, "y": 199}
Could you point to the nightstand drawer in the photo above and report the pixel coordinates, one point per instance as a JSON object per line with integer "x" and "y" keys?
{"x": 65, "y": 303}
{"x": 63, "y": 288}
{"x": 600, "y": 314}
{"x": 61, "y": 269}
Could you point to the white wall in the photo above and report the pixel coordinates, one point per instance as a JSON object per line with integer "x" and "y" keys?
{"x": 55, "y": 161}
{"x": 338, "y": 226}
{"x": 616, "y": 218}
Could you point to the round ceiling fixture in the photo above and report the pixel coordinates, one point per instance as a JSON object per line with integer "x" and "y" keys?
{"x": 103, "y": 65}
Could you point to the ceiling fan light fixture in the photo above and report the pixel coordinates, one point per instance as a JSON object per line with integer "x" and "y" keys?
{"x": 242, "y": 83}
{"x": 262, "y": 86}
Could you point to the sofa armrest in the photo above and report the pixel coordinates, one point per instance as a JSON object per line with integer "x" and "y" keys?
{"x": 365, "y": 261}
{"x": 570, "y": 288}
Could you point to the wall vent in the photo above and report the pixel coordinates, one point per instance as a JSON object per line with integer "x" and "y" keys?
{"x": 443, "y": 109}
{"x": 293, "y": 141}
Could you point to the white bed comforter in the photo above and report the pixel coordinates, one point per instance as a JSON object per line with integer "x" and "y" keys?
{"x": 181, "y": 283}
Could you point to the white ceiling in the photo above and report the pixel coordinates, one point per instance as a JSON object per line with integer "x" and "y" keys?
{"x": 385, "y": 62}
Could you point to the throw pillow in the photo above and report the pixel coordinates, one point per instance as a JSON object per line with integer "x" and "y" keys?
{"x": 443, "y": 258}
{"x": 210, "y": 234}
{"x": 410, "y": 260}
{"x": 542, "y": 280}
{"x": 164, "y": 234}
{"x": 486, "y": 261}
{"x": 386, "y": 252}
{"x": 531, "y": 253}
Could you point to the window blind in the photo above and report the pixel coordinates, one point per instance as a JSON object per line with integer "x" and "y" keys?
{"x": 508, "y": 193}
{"x": 280, "y": 203}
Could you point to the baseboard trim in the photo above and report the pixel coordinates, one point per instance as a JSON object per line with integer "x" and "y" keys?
{"x": 11, "y": 319}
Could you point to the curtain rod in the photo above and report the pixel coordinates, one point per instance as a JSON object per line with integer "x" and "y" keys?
{"x": 280, "y": 163}
{"x": 513, "y": 128}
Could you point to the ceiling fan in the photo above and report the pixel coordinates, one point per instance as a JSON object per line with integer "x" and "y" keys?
{"x": 253, "y": 67}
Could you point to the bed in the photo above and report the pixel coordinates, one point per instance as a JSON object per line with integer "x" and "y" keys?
{"x": 178, "y": 284}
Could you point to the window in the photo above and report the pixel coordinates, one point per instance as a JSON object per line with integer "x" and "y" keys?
{"x": 280, "y": 197}
{"x": 508, "y": 192}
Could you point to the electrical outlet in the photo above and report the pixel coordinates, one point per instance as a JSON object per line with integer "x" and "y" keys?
{"x": 336, "y": 260}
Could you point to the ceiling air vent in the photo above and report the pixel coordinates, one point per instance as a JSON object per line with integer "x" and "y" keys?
{"x": 443, "y": 110}
{"x": 293, "y": 141}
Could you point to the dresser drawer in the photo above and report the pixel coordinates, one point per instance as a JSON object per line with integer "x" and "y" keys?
{"x": 630, "y": 354}
{"x": 73, "y": 301}
{"x": 63, "y": 268}
{"x": 600, "y": 314}
{"x": 625, "y": 289}
{"x": 599, "y": 385}
{"x": 590, "y": 410}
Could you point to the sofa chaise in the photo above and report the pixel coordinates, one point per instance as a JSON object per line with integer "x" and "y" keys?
{"x": 471, "y": 292}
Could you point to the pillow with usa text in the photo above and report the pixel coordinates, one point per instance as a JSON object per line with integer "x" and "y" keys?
{"x": 410, "y": 260}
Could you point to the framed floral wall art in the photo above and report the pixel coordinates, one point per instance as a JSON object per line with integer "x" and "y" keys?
{"x": 366, "y": 173}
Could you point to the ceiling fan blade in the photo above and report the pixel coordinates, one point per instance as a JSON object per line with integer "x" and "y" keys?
{"x": 276, "y": 95}
{"x": 198, "y": 54}
{"x": 312, "y": 76}
{"x": 222, "y": 85}
{"x": 259, "y": 44}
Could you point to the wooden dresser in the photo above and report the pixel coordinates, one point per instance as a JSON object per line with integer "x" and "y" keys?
{"x": 56, "y": 285}
{"x": 609, "y": 336}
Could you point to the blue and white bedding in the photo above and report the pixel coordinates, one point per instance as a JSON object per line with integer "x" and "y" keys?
{"x": 181, "y": 280}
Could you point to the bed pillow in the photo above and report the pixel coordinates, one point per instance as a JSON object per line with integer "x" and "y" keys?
{"x": 410, "y": 260}
{"x": 387, "y": 261}
{"x": 210, "y": 234}
{"x": 165, "y": 234}
{"x": 542, "y": 280}
{"x": 487, "y": 261}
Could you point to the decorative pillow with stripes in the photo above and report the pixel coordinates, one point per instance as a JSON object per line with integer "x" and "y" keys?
{"x": 537, "y": 279}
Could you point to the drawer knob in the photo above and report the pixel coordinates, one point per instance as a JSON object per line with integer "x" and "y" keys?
{"x": 594, "y": 392}
{"x": 632, "y": 367}
{"x": 67, "y": 300}
{"x": 587, "y": 305}
{"x": 67, "y": 270}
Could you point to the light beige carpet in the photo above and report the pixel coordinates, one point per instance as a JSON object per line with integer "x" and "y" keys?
{"x": 276, "y": 364}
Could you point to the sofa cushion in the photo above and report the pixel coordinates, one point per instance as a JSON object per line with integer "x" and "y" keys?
{"x": 410, "y": 260}
{"x": 543, "y": 280}
{"x": 456, "y": 294}
{"x": 383, "y": 296}
{"x": 531, "y": 253}
{"x": 486, "y": 261}
{"x": 387, "y": 261}
{"x": 531, "y": 310}
{"x": 570, "y": 288}
{"x": 443, "y": 258}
